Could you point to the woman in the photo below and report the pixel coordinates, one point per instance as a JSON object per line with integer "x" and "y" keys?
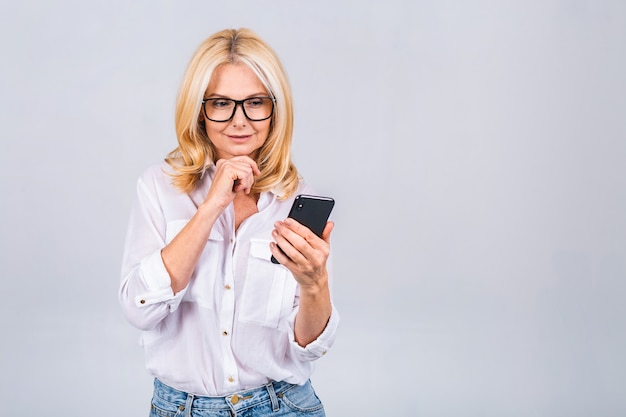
{"x": 225, "y": 331}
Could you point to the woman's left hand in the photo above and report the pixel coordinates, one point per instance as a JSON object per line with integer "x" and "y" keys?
{"x": 305, "y": 254}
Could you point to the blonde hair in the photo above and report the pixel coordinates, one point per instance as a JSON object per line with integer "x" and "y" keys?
{"x": 195, "y": 149}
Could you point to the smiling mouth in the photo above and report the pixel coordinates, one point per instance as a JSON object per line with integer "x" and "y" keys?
{"x": 239, "y": 138}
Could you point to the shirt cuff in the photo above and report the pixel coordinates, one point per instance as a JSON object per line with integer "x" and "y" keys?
{"x": 158, "y": 284}
{"x": 317, "y": 348}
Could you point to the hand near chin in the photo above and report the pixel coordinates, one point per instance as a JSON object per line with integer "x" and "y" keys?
{"x": 232, "y": 176}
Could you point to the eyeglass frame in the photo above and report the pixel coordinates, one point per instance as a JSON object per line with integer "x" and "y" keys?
{"x": 237, "y": 103}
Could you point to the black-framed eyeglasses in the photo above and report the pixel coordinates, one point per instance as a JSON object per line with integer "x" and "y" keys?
{"x": 255, "y": 109}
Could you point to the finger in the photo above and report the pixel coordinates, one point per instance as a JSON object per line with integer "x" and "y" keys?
{"x": 246, "y": 160}
{"x": 239, "y": 174}
{"x": 302, "y": 231}
{"x": 255, "y": 169}
{"x": 280, "y": 256}
{"x": 302, "y": 247}
{"x": 245, "y": 173}
{"x": 240, "y": 186}
{"x": 246, "y": 181}
{"x": 328, "y": 229}
{"x": 285, "y": 240}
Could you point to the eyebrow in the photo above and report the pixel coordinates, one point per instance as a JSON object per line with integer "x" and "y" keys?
{"x": 260, "y": 94}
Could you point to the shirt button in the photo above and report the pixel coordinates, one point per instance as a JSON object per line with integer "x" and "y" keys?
{"x": 224, "y": 333}
{"x": 142, "y": 301}
{"x": 227, "y": 286}
{"x": 232, "y": 240}
{"x": 231, "y": 379}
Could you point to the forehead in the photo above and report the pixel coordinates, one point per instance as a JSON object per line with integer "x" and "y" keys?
{"x": 235, "y": 81}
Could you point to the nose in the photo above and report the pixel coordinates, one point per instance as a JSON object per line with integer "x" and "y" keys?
{"x": 239, "y": 117}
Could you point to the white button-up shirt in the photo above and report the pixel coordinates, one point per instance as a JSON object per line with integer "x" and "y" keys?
{"x": 232, "y": 327}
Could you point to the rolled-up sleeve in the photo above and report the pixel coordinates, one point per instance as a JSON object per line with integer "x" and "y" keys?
{"x": 145, "y": 290}
{"x": 157, "y": 282}
{"x": 317, "y": 348}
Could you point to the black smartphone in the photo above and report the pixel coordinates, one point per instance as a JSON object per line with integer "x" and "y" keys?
{"x": 312, "y": 211}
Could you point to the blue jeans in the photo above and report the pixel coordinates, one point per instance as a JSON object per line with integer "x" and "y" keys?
{"x": 276, "y": 399}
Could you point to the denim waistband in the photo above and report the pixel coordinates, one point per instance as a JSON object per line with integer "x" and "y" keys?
{"x": 235, "y": 402}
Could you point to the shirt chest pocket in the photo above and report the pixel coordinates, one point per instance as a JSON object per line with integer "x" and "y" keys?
{"x": 269, "y": 290}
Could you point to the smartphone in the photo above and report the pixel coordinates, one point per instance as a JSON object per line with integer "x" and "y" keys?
{"x": 312, "y": 211}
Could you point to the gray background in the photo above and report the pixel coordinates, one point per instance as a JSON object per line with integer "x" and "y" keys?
{"x": 475, "y": 149}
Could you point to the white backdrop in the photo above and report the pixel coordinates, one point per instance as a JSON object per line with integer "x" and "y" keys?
{"x": 476, "y": 151}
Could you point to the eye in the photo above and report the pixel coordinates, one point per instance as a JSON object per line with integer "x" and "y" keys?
{"x": 220, "y": 103}
{"x": 255, "y": 102}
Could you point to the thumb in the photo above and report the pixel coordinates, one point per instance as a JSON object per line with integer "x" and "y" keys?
{"x": 327, "y": 231}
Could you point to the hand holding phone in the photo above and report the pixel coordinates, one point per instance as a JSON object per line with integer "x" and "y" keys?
{"x": 311, "y": 211}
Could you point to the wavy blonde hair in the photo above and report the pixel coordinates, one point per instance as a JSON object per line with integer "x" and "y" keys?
{"x": 195, "y": 150}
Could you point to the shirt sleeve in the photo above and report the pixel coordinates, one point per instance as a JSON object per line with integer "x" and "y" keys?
{"x": 145, "y": 290}
{"x": 158, "y": 287}
{"x": 317, "y": 348}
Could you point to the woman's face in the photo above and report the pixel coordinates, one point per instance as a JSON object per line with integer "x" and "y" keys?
{"x": 238, "y": 136}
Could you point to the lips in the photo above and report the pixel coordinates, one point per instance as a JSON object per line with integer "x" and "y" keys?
{"x": 239, "y": 138}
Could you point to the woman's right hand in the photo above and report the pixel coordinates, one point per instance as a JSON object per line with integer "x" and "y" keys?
{"x": 232, "y": 176}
